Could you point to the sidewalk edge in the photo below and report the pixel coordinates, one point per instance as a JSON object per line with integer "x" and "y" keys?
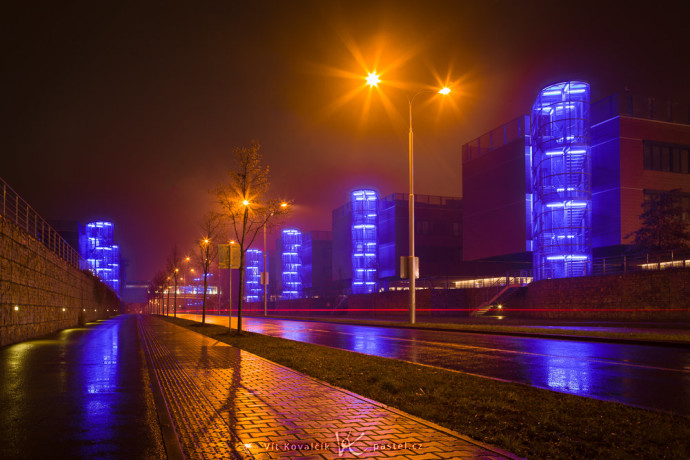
{"x": 170, "y": 438}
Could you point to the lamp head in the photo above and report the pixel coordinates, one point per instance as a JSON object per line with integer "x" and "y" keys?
{"x": 373, "y": 79}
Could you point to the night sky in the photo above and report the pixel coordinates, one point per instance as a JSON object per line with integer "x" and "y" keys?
{"x": 129, "y": 111}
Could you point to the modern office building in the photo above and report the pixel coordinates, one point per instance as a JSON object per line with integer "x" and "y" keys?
{"x": 341, "y": 227}
{"x": 640, "y": 147}
{"x": 253, "y": 266}
{"x": 438, "y": 235}
{"x": 364, "y": 241}
{"x": 101, "y": 254}
{"x": 317, "y": 257}
{"x": 561, "y": 182}
{"x": 525, "y": 194}
{"x": 291, "y": 281}
{"x": 497, "y": 196}
{"x": 358, "y": 226}
{"x": 355, "y": 244}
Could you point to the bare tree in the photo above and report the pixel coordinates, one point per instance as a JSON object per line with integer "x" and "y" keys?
{"x": 245, "y": 204}
{"x": 207, "y": 252}
{"x": 156, "y": 290}
{"x": 174, "y": 261}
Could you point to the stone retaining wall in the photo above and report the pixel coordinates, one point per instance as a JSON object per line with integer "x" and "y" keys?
{"x": 641, "y": 295}
{"x": 41, "y": 293}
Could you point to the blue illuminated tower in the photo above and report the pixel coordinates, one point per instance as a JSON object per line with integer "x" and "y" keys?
{"x": 291, "y": 242}
{"x": 252, "y": 275}
{"x": 562, "y": 186}
{"x": 364, "y": 251}
{"x": 102, "y": 256}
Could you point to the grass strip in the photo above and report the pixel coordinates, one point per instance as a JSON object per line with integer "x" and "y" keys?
{"x": 529, "y": 422}
{"x": 516, "y": 328}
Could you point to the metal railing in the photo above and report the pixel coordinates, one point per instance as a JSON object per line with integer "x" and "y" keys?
{"x": 641, "y": 262}
{"x": 18, "y": 211}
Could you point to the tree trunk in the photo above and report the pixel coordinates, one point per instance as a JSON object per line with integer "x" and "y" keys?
{"x": 239, "y": 294}
{"x": 203, "y": 303}
{"x": 175, "y": 299}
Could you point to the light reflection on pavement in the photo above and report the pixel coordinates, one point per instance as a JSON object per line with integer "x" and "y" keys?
{"x": 640, "y": 375}
{"x": 78, "y": 393}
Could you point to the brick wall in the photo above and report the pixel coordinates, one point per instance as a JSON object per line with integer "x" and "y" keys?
{"x": 41, "y": 293}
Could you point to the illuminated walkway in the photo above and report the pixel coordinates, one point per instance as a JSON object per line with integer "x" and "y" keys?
{"x": 227, "y": 403}
{"x": 78, "y": 393}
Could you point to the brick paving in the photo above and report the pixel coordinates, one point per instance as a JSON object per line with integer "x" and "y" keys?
{"x": 228, "y": 403}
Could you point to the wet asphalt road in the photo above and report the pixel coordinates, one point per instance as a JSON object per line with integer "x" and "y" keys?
{"x": 639, "y": 375}
{"x": 78, "y": 393}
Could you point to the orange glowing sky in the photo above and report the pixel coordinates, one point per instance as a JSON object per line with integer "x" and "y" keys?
{"x": 128, "y": 111}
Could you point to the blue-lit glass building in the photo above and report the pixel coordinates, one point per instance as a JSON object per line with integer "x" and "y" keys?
{"x": 370, "y": 235}
{"x": 562, "y": 185}
{"x": 101, "y": 254}
{"x": 253, "y": 265}
{"x": 364, "y": 241}
{"x": 291, "y": 244}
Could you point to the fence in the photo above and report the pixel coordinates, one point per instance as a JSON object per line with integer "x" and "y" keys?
{"x": 18, "y": 211}
{"x": 641, "y": 261}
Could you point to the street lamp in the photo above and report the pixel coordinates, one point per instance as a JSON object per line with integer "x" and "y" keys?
{"x": 373, "y": 80}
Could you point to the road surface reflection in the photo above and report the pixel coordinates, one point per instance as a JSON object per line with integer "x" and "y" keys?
{"x": 640, "y": 375}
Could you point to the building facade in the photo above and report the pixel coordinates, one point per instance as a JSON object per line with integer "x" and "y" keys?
{"x": 438, "y": 239}
{"x": 96, "y": 244}
{"x": 317, "y": 259}
{"x": 637, "y": 148}
{"x": 291, "y": 275}
{"x": 438, "y": 235}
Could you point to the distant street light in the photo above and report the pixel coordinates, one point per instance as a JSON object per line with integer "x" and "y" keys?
{"x": 373, "y": 80}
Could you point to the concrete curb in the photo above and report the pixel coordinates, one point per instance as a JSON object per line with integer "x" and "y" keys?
{"x": 170, "y": 438}
{"x": 579, "y": 338}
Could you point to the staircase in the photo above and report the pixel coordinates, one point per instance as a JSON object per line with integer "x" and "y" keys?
{"x": 496, "y": 300}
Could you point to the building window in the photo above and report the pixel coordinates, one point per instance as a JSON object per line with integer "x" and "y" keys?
{"x": 663, "y": 157}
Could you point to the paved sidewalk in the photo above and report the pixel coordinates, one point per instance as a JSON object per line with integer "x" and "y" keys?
{"x": 227, "y": 403}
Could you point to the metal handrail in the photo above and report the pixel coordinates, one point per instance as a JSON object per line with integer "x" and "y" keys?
{"x": 18, "y": 211}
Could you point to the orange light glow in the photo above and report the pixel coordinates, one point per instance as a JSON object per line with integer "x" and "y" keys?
{"x": 373, "y": 79}
{"x": 245, "y": 202}
{"x": 283, "y": 205}
{"x": 444, "y": 90}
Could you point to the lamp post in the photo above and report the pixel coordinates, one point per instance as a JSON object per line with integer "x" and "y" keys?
{"x": 373, "y": 80}
{"x": 177, "y": 270}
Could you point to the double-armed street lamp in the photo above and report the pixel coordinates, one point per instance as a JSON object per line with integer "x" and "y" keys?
{"x": 412, "y": 265}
